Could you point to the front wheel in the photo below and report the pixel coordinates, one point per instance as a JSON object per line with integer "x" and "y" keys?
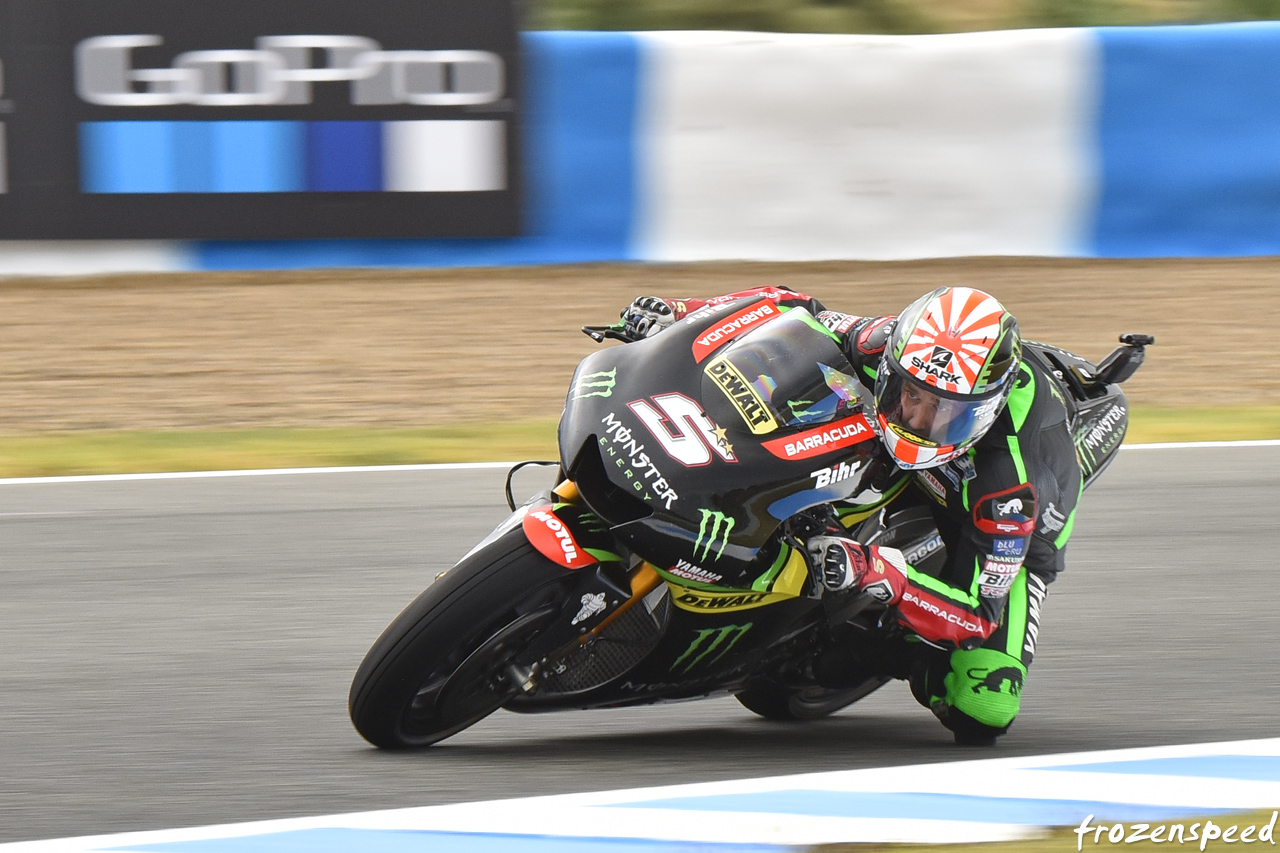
{"x": 452, "y": 657}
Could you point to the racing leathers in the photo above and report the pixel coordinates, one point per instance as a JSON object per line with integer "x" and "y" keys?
{"x": 1004, "y": 511}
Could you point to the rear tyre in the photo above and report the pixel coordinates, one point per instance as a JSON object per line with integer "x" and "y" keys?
{"x": 775, "y": 701}
{"x": 452, "y": 657}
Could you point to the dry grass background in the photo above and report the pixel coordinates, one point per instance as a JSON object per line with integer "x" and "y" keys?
{"x": 437, "y": 347}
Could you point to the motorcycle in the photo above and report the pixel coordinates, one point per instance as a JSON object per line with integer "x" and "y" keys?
{"x": 668, "y": 563}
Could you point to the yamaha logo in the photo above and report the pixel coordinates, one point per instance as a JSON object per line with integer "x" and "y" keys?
{"x": 279, "y": 70}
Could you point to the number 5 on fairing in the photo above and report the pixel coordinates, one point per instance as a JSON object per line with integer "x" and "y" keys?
{"x": 683, "y": 429}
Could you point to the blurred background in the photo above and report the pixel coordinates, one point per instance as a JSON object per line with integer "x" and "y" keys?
{"x": 899, "y": 17}
{"x": 245, "y": 260}
{"x": 231, "y": 269}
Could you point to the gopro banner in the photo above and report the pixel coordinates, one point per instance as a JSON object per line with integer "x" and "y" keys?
{"x": 243, "y": 119}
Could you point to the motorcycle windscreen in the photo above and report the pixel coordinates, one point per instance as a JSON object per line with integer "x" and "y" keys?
{"x": 790, "y": 373}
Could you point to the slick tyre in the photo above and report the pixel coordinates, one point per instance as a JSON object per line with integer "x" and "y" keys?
{"x": 443, "y": 664}
{"x": 775, "y": 701}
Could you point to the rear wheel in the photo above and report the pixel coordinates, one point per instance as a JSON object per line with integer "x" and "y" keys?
{"x": 452, "y": 657}
{"x": 775, "y": 701}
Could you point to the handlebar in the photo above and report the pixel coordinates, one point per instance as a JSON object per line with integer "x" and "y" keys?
{"x": 600, "y": 334}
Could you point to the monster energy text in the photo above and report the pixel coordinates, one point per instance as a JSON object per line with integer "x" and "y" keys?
{"x": 715, "y": 527}
{"x": 621, "y": 446}
{"x": 709, "y": 641}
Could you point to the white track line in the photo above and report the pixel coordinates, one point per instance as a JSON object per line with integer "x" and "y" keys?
{"x": 1180, "y": 445}
{"x": 251, "y": 472}
{"x": 458, "y": 466}
{"x": 816, "y": 808}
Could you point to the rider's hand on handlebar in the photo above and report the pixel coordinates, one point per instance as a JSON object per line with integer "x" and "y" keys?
{"x": 879, "y": 572}
{"x": 843, "y": 562}
{"x": 647, "y": 316}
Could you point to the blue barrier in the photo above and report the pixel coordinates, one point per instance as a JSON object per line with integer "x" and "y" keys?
{"x": 580, "y": 109}
{"x": 1188, "y": 134}
{"x": 1111, "y": 142}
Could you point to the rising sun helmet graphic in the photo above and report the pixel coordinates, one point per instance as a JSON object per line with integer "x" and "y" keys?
{"x": 947, "y": 370}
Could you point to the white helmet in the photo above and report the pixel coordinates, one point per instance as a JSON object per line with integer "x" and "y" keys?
{"x": 946, "y": 373}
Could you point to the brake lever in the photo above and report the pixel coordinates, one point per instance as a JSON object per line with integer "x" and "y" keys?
{"x": 600, "y": 334}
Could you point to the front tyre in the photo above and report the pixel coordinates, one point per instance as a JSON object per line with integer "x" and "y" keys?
{"x": 452, "y": 657}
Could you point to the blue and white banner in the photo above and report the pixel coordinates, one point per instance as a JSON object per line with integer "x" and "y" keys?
{"x": 1183, "y": 792}
{"x": 1112, "y": 142}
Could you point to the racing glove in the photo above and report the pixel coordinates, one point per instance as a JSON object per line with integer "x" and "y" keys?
{"x": 846, "y": 564}
{"x": 647, "y": 316}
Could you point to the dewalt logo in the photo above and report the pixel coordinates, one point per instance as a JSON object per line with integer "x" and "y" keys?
{"x": 692, "y": 599}
{"x": 744, "y": 397}
{"x": 708, "y": 642}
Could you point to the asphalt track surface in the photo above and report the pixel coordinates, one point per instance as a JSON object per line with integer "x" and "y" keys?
{"x": 178, "y": 652}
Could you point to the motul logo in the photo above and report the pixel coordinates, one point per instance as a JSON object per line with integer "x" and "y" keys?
{"x": 553, "y": 540}
{"x": 557, "y": 529}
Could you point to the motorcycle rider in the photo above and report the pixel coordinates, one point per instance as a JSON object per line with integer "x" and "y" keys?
{"x": 983, "y": 434}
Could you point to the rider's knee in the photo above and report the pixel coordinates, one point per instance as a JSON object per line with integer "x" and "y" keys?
{"x": 979, "y": 696}
{"x": 967, "y": 730}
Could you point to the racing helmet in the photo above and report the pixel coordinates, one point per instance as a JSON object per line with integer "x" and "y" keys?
{"x": 946, "y": 373}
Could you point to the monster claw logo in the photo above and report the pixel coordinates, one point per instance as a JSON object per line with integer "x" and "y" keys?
{"x": 595, "y": 384}
{"x": 715, "y": 527}
{"x": 707, "y": 641}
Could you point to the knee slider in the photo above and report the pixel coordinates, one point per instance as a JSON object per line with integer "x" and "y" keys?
{"x": 985, "y": 686}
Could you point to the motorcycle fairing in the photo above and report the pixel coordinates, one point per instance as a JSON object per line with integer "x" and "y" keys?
{"x": 701, "y": 653}
{"x": 1099, "y": 415}
{"x": 731, "y": 326}
{"x": 695, "y": 484}
{"x": 568, "y": 535}
{"x": 787, "y": 582}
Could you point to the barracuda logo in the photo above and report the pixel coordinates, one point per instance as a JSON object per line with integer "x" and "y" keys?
{"x": 707, "y": 641}
{"x": 599, "y": 384}
{"x": 715, "y": 527}
{"x": 279, "y": 71}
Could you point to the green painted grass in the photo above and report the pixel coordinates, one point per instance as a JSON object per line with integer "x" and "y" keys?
{"x": 52, "y": 454}
{"x": 55, "y": 454}
{"x": 1154, "y": 424}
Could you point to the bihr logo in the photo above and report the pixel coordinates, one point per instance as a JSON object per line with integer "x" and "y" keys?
{"x": 279, "y": 70}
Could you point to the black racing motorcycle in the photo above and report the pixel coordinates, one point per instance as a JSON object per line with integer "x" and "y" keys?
{"x": 668, "y": 564}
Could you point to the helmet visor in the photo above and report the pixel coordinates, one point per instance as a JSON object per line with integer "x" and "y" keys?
{"x": 930, "y": 420}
